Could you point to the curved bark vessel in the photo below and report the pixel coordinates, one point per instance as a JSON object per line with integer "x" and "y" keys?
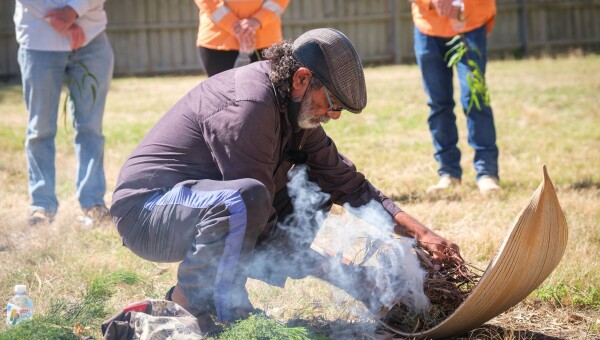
{"x": 530, "y": 252}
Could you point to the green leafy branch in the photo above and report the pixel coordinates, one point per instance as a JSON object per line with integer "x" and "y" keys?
{"x": 475, "y": 79}
{"x": 80, "y": 86}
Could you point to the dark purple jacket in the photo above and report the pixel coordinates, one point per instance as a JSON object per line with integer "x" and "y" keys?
{"x": 230, "y": 127}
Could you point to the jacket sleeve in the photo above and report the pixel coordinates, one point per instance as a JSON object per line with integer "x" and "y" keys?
{"x": 338, "y": 176}
{"x": 270, "y": 10}
{"x": 424, "y": 4}
{"x": 84, "y": 6}
{"x": 36, "y": 7}
{"x": 219, "y": 13}
{"x": 39, "y": 7}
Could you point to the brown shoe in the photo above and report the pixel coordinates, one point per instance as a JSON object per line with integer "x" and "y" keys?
{"x": 96, "y": 214}
{"x": 204, "y": 318}
{"x": 40, "y": 217}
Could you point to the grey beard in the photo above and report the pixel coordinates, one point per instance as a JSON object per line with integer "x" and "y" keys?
{"x": 307, "y": 120}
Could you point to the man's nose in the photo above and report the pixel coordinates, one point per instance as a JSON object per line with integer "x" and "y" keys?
{"x": 334, "y": 114}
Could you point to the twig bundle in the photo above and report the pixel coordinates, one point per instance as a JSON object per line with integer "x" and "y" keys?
{"x": 446, "y": 289}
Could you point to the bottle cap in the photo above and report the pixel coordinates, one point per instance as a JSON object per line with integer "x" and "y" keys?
{"x": 20, "y": 289}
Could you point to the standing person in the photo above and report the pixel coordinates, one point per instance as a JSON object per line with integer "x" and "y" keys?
{"x": 208, "y": 184}
{"x": 225, "y": 25}
{"x": 60, "y": 42}
{"x": 436, "y": 23}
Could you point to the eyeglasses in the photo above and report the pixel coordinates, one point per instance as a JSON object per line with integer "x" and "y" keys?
{"x": 331, "y": 107}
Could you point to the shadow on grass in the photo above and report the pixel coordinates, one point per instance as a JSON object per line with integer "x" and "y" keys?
{"x": 586, "y": 183}
{"x": 338, "y": 329}
{"x": 418, "y": 197}
{"x": 497, "y": 332}
{"x": 344, "y": 329}
{"x": 410, "y": 197}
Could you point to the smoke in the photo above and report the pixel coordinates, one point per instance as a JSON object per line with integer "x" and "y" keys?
{"x": 369, "y": 262}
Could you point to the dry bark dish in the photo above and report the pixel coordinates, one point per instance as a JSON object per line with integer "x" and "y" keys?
{"x": 530, "y": 252}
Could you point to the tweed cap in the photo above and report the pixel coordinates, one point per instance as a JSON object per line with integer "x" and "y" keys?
{"x": 329, "y": 54}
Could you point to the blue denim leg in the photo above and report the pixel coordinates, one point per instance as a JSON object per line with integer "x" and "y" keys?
{"x": 43, "y": 74}
{"x": 437, "y": 81}
{"x": 480, "y": 123}
{"x": 87, "y": 113}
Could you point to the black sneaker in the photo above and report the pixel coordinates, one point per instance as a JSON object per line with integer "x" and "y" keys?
{"x": 168, "y": 295}
{"x": 40, "y": 217}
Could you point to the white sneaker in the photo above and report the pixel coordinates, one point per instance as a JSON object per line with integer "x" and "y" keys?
{"x": 488, "y": 184}
{"x": 446, "y": 181}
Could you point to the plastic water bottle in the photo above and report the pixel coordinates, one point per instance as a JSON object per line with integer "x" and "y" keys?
{"x": 458, "y": 23}
{"x": 242, "y": 59}
{"x": 246, "y": 50}
{"x": 20, "y": 306}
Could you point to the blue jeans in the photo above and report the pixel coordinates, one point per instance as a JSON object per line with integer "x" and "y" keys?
{"x": 43, "y": 74}
{"x": 437, "y": 81}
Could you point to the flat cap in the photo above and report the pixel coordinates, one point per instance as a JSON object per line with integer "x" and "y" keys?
{"x": 329, "y": 54}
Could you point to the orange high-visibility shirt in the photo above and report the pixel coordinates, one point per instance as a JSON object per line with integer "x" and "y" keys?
{"x": 475, "y": 14}
{"x": 217, "y": 18}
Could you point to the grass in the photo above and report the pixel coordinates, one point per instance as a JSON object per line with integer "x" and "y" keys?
{"x": 68, "y": 319}
{"x": 561, "y": 295}
{"x": 547, "y": 111}
{"x": 258, "y": 327}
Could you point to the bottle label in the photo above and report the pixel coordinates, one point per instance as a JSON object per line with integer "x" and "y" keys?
{"x": 15, "y": 314}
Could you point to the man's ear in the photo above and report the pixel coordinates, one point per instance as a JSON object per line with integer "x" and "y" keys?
{"x": 300, "y": 82}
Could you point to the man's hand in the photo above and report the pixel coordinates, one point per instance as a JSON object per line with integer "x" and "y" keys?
{"x": 454, "y": 13}
{"x": 245, "y": 31}
{"x": 442, "y": 7}
{"x": 76, "y": 35}
{"x": 61, "y": 19}
{"x": 246, "y": 26}
{"x": 441, "y": 249}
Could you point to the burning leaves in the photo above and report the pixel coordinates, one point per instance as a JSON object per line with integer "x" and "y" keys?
{"x": 446, "y": 289}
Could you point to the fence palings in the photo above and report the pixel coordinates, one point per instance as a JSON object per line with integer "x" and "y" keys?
{"x": 158, "y": 36}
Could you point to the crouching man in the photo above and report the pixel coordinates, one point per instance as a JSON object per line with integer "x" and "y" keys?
{"x": 207, "y": 186}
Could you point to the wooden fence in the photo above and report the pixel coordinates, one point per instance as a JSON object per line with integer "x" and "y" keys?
{"x": 158, "y": 36}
